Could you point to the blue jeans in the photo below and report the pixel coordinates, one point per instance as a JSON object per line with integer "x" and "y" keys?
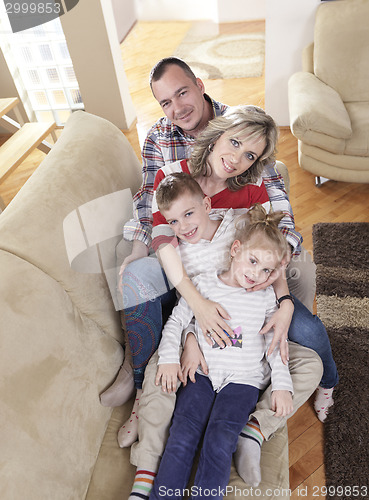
{"x": 148, "y": 298}
{"x": 308, "y": 331}
{"x": 222, "y": 416}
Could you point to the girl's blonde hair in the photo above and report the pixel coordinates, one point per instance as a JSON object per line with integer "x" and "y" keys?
{"x": 249, "y": 122}
{"x": 257, "y": 227}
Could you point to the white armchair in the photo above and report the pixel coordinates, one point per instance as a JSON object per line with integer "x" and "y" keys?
{"x": 329, "y": 99}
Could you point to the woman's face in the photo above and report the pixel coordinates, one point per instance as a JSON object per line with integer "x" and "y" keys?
{"x": 232, "y": 156}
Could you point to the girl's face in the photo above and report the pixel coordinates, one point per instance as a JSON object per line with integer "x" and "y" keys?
{"x": 232, "y": 156}
{"x": 251, "y": 266}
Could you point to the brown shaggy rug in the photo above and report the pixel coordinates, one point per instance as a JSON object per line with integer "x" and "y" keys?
{"x": 341, "y": 252}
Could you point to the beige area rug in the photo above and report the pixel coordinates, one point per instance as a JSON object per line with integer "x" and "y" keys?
{"x": 213, "y": 57}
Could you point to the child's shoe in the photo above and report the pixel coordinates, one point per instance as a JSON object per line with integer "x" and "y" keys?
{"x": 323, "y": 401}
{"x": 122, "y": 389}
{"x": 128, "y": 433}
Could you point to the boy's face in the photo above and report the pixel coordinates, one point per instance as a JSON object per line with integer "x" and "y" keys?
{"x": 251, "y": 266}
{"x": 188, "y": 216}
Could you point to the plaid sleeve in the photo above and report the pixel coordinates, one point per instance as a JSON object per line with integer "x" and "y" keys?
{"x": 140, "y": 227}
{"x": 276, "y": 190}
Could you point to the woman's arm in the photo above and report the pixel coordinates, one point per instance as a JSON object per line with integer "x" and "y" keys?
{"x": 281, "y": 319}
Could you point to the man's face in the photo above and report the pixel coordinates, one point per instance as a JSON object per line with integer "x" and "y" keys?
{"x": 182, "y": 100}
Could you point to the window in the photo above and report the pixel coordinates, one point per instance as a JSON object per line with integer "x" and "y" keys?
{"x": 39, "y": 61}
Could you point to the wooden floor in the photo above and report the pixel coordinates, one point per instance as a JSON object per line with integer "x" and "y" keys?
{"x": 332, "y": 202}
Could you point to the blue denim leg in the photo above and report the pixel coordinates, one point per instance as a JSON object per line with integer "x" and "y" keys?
{"x": 146, "y": 293}
{"x": 308, "y": 331}
{"x": 191, "y": 414}
{"x": 231, "y": 408}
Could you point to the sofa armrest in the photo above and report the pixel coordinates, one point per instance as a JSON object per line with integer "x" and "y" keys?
{"x": 315, "y": 107}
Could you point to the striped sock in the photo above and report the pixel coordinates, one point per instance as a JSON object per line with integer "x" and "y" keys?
{"x": 248, "y": 453}
{"x": 252, "y": 431}
{"x": 142, "y": 486}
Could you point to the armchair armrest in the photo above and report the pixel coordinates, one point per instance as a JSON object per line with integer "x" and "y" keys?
{"x": 308, "y": 58}
{"x": 316, "y": 107}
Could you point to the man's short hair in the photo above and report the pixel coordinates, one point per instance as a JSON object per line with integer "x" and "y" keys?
{"x": 160, "y": 68}
{"x": 173, "y": 186}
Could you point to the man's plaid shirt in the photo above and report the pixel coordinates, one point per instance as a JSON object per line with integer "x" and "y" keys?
{"x": 166, "y": 143}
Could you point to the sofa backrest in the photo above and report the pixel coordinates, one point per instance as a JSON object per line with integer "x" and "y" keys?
{"x": 92, "y": 160}
{"x": 341, "y": 48}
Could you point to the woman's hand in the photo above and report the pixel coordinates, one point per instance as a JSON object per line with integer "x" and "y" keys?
{"x": 139, "y": 251}
{"x": 210, "y": 316}
{"x": 280, "y": 321}
{"x": 169, "y": 373}
{"x": 191, "y": 358}
{"x": 282, "y": 403}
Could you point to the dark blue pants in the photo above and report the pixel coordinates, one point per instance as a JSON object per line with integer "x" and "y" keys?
{"x": 221, "y": 416}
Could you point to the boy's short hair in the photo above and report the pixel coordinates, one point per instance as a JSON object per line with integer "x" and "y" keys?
{"x": 175, "y": 185}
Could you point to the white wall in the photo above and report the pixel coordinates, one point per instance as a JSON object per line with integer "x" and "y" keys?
{"x": 172, "y": 10}
{"x": 222, "y": 11}
{"x": 125, "y": 16}
{"x": 93, "y": 45}
{"x": 231, "y": 11}
{"x": 289, "y": 28}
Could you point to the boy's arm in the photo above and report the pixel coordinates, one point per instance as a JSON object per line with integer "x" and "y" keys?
{"x": 209, "y": 314}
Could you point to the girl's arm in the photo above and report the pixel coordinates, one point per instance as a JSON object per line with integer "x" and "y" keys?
{"x": 210, "y": 315}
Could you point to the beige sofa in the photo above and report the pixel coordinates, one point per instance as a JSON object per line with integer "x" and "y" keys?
{"x": 329, "y": 99}
{"x": 60, "y": 332}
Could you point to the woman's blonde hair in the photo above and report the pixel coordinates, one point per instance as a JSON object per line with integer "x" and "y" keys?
{"x": 249, "y": 122}
{"x": 258, "y": 226}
